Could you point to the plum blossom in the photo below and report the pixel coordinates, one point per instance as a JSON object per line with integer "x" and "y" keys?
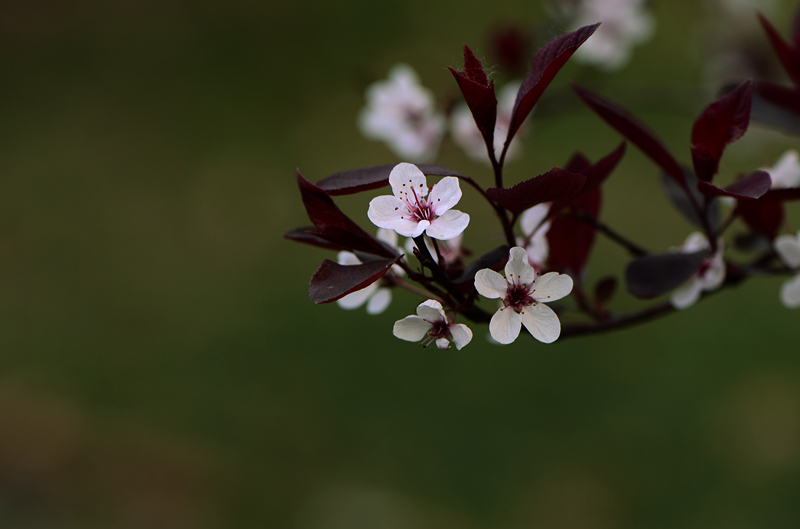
{"x": 788, "y": 249}
{"x": 431, "y": 325}
{"x": 467, "y": 136}
{"x": 625, "y": 23}
{"x": 402, "y": 113}
{"x": 534, "y": 228}
{"x": 376, "y": 297}
{"x": 410, "y": 213}
{"x": 709, "y": 275}
{"x": 786, "y": 171}
{"x": 523, "y": 296}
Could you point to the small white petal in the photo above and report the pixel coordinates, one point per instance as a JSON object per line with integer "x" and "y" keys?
{"x": 695, "y": 242}
{"x": 410, "y": 228}
{"x": 431, "y": 310}
{"x": 490, "y": 284}
{"x": 384, "y": 211}
{"x": 687, "y": 295}
{"x": 411, "y": 328}
{"x": 551, "y": 286}
{"x": 388, "y": 236}
{"x": 403, "y": 178}
{"x": 357, "y": 298}
{"x": 461, "y": 334}
{"x": 347, "y": 259}
{"x": 715, "y": 274}
{"x": 532, "y": 218}
{"x": 505, "y": 325}
{"x": 518, "y": 270}
{"x": 442, "y": 343}
{"x": 379, "y": 301}
{"x": 790, "y": 293}
{"x": 788, "y": 248}
{"x": 448, "y": 226}
{"x": 786, "y": 171}
{"x": 541, "y": 322}
{"x": 445, "y": 195}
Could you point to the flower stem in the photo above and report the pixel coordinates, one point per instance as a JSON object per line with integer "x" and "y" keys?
{"x": 632, "y": 247}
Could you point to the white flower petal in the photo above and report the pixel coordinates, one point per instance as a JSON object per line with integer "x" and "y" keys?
{"x": 461, "y": 334}
{"x": 490, "y": 284}
{"x": 379, "y": 301}
{"x": 431, "y": 310}
{"x": 551, "y": 286}
{"x": 410, "y": 228}
{"x": 442, "y": 343}
{"x": 687, "y": 295}
{"x": 384, "y": 211}
{"x": 448, "y": 226}
{"x": 715, "y": 274}
{"x": 788, "y": 248}
{"x": 518, "y": 270}
{"x": 505, "y": 325}
{"x": 786, "y": 171}
{"x": 542, "y": 322}
{"x": 790, "y": 293}
{"x": 532, "y": 218}
{"x": 445, "y": 195}
{"x": 347, "y": 259}
{"x": 388, "y": 236}
{"x": 403, "y": 178}
{"x": 411, "y": 328}
{"x": 695, "y": 242}
{"x": 357, "y": 298}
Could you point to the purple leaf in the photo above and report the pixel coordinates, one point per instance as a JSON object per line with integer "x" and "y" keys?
{"x": 764, "y": 217}
{"x": 679, "y": 198}
{"x": 307, "y": 235}
{"x": 781, "y": 195}
{"x": 635, "y": 131}
{"x": 750, "y": 187}
{"x": 653, "y": 275}
{"x": 595, "y": 174}
{"x": 719, "y": 124}
{"x": 777, "y": 106}
{"x": 367, "y": 178}
{"x": 489, "y": 260}
{"x": 479, "y": 94}
{"x": 796, "y": 29}
{"x": 333, "y": 281}
{"x": 570, "y": 239}
{"x": 556, "y": 184}
{"x": 546, "y": 64}
{"x": 604, "y": 289}
{"x": 786, "y": 53}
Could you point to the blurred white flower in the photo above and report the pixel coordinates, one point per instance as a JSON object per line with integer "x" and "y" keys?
{"x": 432, "y": 324}
{"x": 535, "y": 228}
{"x": 466, "y": 135}
{"x": 375, "y": 296}
{"x": 786, "y": 171}
{"x": 403, "y": 113}
{"x": 450, "y": 249}
{"x": 524, "y": 296}
{"x": 709, "y": 275}
{"x": 788, "y": 249}
{"x": 625, "y": 24}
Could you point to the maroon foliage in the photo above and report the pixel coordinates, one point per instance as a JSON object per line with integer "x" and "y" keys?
{"x": 764, "y": 217}
{"x": 333, "y": 281}
{"x": 306, "y": 235}
{"x": 492, "y": 260}
{"x": 605, "y": 289}
{"x": 478, "y": 92}
{"x": 367, "y": 178}
{"x": 509, "y": 48}
{"x": 653, "y": 275}
{"x": 750, "y": 187}
{"x": 595, "y": 174}
{"x": 570, "y": 238}
{"x": 787, "y": 54}
{"x": 556, "y": 184}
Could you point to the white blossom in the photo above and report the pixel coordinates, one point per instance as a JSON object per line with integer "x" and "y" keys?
{"x": 534, "y": 229}
{"x": 403, "y": 113}
{"x": 523, "y": 296}
{"x": 375, "y": 296}
{"x": 466, "y": 134}
{"x": 788, "y": 249}
{"x": 709, "y": 275}
{"x": 431, "y": 325}
{"x": 786, "y": 171}
{"x": 411, "y": 211}
{"x": 625, "y": 24}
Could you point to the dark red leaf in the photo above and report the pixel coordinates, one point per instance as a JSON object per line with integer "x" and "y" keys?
{"x": 307, "y": 235}
{"x": 488, "y": 260}
{"x": 635, "y": 131}
{"x": 333, "y": 225}
{"x": 781, "y": 195}
{"x": 679, "y": 198}
{"x": 750, "y": 187}
{"x": 333, "y": 281}
{"x": 605, "y": 288}
{"x": 510, "y": 45}
{"x": 546, "y": 64}
{"x": 357, "y": 180}
{"x": 556, "y": 184}
{"x": 719, "y": 124}
{"x": 579, "y": 163}
{"x": 777, "y": 106}
{"x": 786, "y": 53}
{"x": 569, "y": 238}
{"x": 763, "y": 217}
{"x": 653, "y": 275}
{"x": 479, "y": 94}
{"x": 595, "y": 174}
{"x": 796, "y": 29}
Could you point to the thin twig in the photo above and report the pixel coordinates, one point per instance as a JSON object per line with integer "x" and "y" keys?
{"x": 632, "y": 247}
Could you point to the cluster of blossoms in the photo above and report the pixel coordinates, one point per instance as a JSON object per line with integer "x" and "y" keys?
{"x": 548, "y": 222}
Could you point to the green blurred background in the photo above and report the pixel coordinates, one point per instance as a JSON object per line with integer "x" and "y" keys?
{"x": 162, "y": 365}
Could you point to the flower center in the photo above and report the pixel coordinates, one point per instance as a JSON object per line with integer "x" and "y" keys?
{"x": 518, "y": 297}
{"x": 420, "y": 208}
{"x": 439, "y": 329}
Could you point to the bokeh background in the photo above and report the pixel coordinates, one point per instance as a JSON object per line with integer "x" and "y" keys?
{"x": 161, "y": 365}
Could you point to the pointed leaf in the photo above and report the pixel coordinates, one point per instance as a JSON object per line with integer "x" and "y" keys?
{"x": 786, "y": 53}
{"x": 569, "y": 238}
{"x": 719, "y": 124}
{"x": 653, "y": 275}
{"x": 546, "y": 64}
{"x": 556, "y": 184}
{"x": 479, "y": 94}
{"x": 605, "y": 288}
{"x": 781, "y": 195}
{"x": 777, "y": 106}
{"x": 333, "y": 281}
{"x": 307, "y": 235}
{"x": 367, "y": 178}
{"x": 750, "y": 187}
{"x": 595, "y": 174}
{"x": 763, "y": 217}
{"x": 490, "y": 260}
{"x": 635, "y": 131}
{"x": 678, "y": 197}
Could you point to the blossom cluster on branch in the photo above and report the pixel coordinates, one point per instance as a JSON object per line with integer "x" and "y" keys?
{"x": 548, "y": 222}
